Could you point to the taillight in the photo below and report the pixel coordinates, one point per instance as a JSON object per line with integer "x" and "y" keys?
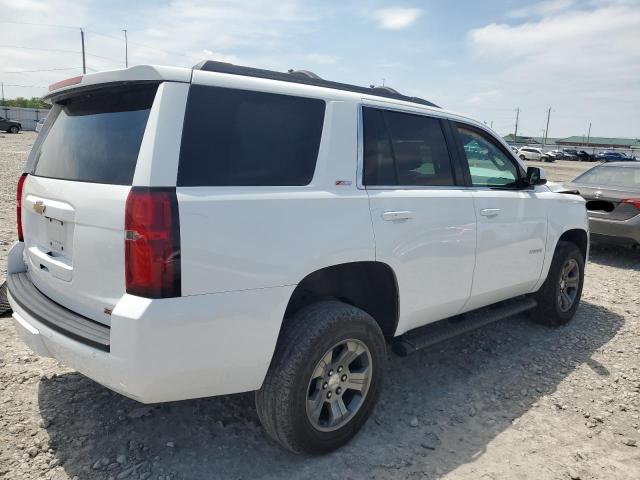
{"x": 21, "y": 180}
{"x": 152, "y": 242}
{"x": 633, "y": 201}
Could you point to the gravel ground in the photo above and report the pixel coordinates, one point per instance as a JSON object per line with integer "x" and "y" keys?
{"x": 512, "y": 400}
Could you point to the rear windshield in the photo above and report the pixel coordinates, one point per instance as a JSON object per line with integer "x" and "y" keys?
{"x": 628, "y": 177}
{"x": 245, "y": 138}
{"x": 96, "y": 136}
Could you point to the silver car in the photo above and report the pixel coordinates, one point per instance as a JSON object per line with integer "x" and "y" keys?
{"x": 612, "y": 192}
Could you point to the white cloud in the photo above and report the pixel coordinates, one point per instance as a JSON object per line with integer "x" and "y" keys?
{"x": 585, "y": 62}
{"x": 396, "y": 18}
{"x": 547, "y": 7}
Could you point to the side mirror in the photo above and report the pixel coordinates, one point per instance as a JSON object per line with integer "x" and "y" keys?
{"x": 536, "y": 176}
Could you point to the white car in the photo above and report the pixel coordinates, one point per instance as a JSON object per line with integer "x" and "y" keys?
{"x": 234, "y": 229}
{"x": 39, "y": 124}
{"x": 530, "y": 153}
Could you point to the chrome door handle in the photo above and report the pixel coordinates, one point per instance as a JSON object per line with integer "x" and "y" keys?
{"x": 490, "y": 212}
{"x": 395, "y": 216}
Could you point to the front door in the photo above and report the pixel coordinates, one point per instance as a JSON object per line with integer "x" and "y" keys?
{"x": 512, "y": 221}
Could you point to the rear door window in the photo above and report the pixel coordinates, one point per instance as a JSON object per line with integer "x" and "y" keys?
{"x": 245, "y": 138}
{"x": 404, "y": 149}
{"x": 96, "y": 136}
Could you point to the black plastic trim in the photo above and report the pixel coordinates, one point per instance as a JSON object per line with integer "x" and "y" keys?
{"x": 223, "y": 67}
{"x": 55, "y": 316}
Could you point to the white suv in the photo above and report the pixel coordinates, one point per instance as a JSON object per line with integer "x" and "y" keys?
{"x": 193, "y": 232}
{"x": 530, "y": 153}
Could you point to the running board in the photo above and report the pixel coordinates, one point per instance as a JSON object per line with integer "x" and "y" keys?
{"x": 442, "y": 330}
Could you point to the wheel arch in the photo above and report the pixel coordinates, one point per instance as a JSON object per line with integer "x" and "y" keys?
{"x": 579, "y": 237}
{"x": 369, "y": 285}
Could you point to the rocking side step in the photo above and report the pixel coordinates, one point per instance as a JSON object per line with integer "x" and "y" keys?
{"x": 437, "y": 332}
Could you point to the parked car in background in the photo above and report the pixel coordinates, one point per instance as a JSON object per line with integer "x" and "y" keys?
{"x": 39, "y": 124}
{"x": 581, "y": 155}
{"x": 570, "y": 155}
{"x": 552, "y": 156}
{"x": 612, "y": 192}
{"x": 529, "y": 153}
{"x": 10, "y": 126}
{"x": 611, "y": 156}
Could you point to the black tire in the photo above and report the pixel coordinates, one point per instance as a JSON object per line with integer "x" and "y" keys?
{"x": 305, "y": 340}
{"x": 4, "y": 303}
{"x": 549, "y": 310}
{"x": 522, "y": 157}
{"x": 13, "y": 129}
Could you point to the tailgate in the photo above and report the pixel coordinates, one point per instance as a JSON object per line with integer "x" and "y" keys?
{"x": 74, "y": 198}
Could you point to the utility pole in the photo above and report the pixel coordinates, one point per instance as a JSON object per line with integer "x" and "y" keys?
{"x": 491, "y": 126}
{"x": 2, "y": 93}
{"x": 84, "y": 63}
{"x": 126, "y": 49}
{"x": 546, "y": 133}
{"x": 589, "y": 134}
{"x": 515, "y": 135}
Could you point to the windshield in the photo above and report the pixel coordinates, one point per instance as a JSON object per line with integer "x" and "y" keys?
{"x": 626, "y": 177}
{"x": 96, "y": 136}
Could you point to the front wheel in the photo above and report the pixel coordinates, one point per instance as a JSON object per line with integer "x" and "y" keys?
{"x": 325, "y": 378}
{"x": 559, "y": 296}
{"x": 14, "y": 129}
{"x": 522, "y": 157}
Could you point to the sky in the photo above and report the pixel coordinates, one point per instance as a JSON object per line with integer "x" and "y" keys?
{"x": 481, "y": 58}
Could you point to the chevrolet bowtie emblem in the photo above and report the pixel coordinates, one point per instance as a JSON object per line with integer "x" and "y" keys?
{"x": 39, "y": 207}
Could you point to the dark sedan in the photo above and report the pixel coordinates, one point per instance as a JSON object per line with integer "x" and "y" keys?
{"x": 612, "y": 192}
{"x": 580, "y": 155}
{"x": 10, "y": 126}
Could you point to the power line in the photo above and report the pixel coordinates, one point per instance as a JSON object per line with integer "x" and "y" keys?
{"x": 25, "y": 86}
{"x": 38, "y": 24}
{"x": 59, "y": 50}
{"x": 43, "y": 70}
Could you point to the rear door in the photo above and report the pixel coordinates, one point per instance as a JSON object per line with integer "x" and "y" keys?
{"x": 74, "y": 198}
{"x": 512, "y": 221}
{"x": 423, "y": 218}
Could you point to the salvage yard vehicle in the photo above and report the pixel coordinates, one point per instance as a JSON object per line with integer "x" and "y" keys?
{"x": 529, "y": 153}
{"x": 10, "y": 126}
{"x": 233, "y": 229}
{"x": 612, "y": 192}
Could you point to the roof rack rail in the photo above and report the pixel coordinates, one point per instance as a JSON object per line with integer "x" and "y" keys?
{"x": 305, "y": 77}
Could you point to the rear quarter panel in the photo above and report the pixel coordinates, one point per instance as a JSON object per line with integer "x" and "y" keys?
{"x": 240, "y": 238}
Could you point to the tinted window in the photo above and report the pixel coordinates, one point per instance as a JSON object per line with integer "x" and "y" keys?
{"x": 404, "y": 149}
{"x": 96, "y": 137}
{"x": 243, "y": 138}
{"x": 488, "y": 164}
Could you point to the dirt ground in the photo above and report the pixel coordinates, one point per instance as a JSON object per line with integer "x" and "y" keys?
{"x": 514, "y": 400}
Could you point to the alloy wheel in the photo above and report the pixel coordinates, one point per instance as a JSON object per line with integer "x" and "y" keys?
{"x": 339, "y": 385}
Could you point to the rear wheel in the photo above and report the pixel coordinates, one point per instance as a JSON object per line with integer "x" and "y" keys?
{"x": 324, "y": 379}
{"x": 559, "y": 296}
{"x": 14, "y": 129}
{"x": 522, "y": 157}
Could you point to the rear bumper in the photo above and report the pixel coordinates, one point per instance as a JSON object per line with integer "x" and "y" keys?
{"x": 627, "y": 231}
{"x": 168, "y": 349}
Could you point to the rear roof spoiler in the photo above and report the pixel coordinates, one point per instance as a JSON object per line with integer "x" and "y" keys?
{"x": 307, "y": 78}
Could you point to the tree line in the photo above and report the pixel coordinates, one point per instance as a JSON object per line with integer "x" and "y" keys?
{"x": 33, "y": 102}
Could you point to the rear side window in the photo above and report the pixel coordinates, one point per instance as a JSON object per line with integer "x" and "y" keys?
{"x": 96, "y": 136}
{"x": 243, "y": 138}
{"x": 404, "y": 149}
